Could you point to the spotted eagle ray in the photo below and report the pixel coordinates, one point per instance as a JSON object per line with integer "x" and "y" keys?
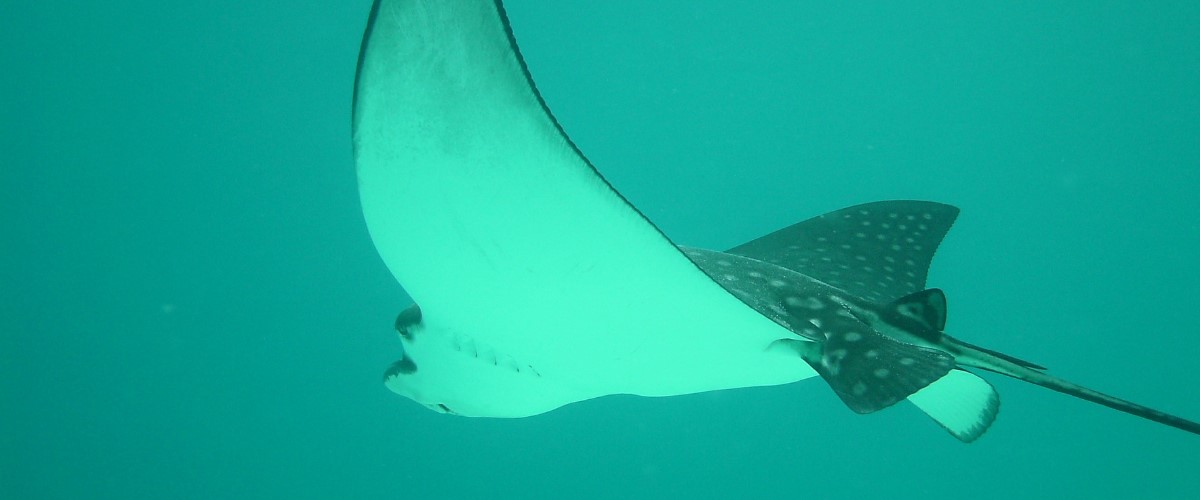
{"x": 537, "y": 284}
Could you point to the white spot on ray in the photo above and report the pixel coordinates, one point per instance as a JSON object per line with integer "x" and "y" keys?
{"x": 859, "y": 389}
{"x": 882, "y": 372}
{"x": 852, "y": 337}
{"x": 778, "y": 283}
{"x": 807, "y": 302}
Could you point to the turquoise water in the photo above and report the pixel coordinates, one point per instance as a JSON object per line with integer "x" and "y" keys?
{"x": 192, "y": 307}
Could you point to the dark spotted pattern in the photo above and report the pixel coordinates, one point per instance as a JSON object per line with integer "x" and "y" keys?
{"x": 868, "y": 370}
{"x": 815, "y": 277}
{"x": 877, "y": 251}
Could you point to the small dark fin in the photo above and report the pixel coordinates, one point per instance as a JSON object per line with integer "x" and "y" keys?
{"x": 988, "y": 360}
{"x": 407, "y": 319}
{"x": 869, "y": 371}
{"x": 927, "y": 307}
{"x": 402, "y": 366}
{"x": 877, "y": 251}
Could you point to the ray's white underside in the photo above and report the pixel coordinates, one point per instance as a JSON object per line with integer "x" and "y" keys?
{"x": 508, "y": 239}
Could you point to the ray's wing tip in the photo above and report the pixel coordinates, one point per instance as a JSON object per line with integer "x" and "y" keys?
{"x": 963, "y": 403}
{"x": 987, "y": 417}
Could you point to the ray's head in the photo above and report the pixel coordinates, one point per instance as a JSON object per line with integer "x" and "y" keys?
{"x": 424, "y": 382}
{"x": 449, "y": 372}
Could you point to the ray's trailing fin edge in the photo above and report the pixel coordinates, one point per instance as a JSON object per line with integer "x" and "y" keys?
{"x": 539, "y": 285}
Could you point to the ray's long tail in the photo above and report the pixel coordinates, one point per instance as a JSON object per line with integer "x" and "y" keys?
{"x": 970, "y": 355}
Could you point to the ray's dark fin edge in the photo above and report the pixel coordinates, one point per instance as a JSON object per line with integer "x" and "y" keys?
{"x": 362, "y": 55}
{"x": 512, "y": 41}
{"x": 986, "y": 414}
{"x": 373, "y": 18}
{"x": 516, "y": 50}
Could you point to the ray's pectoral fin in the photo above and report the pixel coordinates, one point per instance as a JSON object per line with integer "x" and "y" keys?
{"x": 869, "y": 371}
{"x": 961, "y": 402}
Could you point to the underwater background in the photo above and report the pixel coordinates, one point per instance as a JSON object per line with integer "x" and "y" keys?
{"x": 192, "y": 308}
